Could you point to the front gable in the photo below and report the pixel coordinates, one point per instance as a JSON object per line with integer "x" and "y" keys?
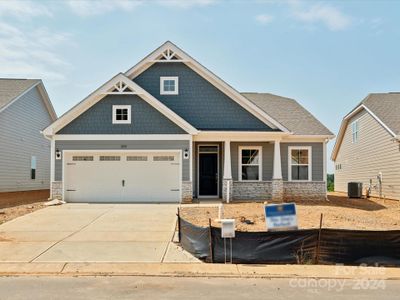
{"x": 205, "y": 102}
{"x": 198, "y": 101}
{"x": 170, "y": 54}
{"x": 83, "y": 119}
{"x": 145, "y": 119}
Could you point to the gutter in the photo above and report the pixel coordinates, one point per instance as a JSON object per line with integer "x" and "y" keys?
{"x": 46, "y": 136}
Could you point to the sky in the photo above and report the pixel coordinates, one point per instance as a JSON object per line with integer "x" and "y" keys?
{"x": 328, "y": 55}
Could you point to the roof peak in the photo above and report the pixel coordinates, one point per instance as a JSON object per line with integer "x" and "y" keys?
{"x": 4, "y": 78}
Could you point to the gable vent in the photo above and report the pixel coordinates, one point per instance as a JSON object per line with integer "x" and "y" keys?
{"x": 121, "y": 88}
{"x": 168, "y": 56}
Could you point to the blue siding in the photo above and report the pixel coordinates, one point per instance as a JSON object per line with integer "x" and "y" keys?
{"x": 199, "y": 102}
{"x": 145, "y": 119}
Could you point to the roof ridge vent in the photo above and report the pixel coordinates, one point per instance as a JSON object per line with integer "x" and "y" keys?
{"x": 394, "y": 93}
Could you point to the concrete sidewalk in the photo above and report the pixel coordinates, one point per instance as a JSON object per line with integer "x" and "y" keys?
{"x": 197, "y": 270}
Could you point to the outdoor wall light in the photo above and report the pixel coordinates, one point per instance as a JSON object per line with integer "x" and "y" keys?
{"x": 58, "y": 154}
{"x": 186, "y": 154}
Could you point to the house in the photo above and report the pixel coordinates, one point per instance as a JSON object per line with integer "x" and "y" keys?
{"x": 25, "y": 110}
{"x": 170, "y": 130}
{"x": 367, "y": 148}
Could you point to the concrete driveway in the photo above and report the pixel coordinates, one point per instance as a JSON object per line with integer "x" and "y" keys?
{"x": 93, "y": 233}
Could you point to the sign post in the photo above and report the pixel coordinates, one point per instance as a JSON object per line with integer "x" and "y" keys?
{"x": 280, "y": 216}
{"x": 228, "y": 232}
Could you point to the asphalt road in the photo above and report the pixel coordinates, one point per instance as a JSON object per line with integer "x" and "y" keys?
{"x": 192, "y": 288}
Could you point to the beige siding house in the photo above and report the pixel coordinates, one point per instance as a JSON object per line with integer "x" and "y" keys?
{"x": 25, "y": 110}
{"x": 368, "y": 146}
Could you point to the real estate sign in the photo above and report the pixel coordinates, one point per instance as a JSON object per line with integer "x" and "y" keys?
{"x": 280, "y": 216}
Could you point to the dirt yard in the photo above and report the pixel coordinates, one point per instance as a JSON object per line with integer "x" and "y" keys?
{"x": 16, "y": 204}
{"x": 338, "y": 212}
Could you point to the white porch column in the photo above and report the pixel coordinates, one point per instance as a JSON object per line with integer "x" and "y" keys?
{"x": 227, "y": 160}
{"x": 277, "y": 171}
{"x": 277, "y": 182}
{"x": 227, "y": 181}
{"x": 52, "y": 164}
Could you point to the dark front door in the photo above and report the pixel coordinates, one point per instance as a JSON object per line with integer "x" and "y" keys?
{"x": 208, "y": 174}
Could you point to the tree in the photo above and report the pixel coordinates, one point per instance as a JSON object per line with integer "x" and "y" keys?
{"x": 330, "y": 182}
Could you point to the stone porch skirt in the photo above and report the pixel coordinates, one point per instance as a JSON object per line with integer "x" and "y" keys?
{"x": 248, "y": 191}
{"x": 262, "y": 190}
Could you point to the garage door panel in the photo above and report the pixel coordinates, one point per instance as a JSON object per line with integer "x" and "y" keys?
{"x": 122, "y": 177}
{"x": 158, "y": 180}
{"x": 84, "y": 179}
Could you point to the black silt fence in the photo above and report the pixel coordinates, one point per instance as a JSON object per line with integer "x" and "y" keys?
{"x": 195, "y": 239}
{"x": 335, "y": 246}
{"x": 355, "y": 247}
{"x": 266, "y": 247}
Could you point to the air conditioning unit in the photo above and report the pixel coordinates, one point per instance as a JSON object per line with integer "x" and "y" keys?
{"x": 354, "y": 189}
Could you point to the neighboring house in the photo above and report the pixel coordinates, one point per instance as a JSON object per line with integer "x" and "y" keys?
{"x": 368, "y": 146}
{"x": 25, "y": 110}
{"x": 169, "y": 130}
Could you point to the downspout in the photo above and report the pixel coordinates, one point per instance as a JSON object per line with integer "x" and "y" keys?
{"x": 325, "y": 168}
{"x": 52, "y": 161}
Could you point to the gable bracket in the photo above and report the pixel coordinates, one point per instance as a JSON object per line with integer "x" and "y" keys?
{"x": 120, "y": 88}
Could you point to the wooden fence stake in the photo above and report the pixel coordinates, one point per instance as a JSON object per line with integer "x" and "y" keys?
{"x": 210, "y": 237}
{"x": 319, "y": 240}
{"x": 179, "y": 226}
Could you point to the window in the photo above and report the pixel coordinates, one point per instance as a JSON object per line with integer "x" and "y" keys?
{"x": 354, "y": 131}
{"x": 168, "y": 85}
{"x": 33, "y": 167}
{"x": 136, "y": 158}
{"x": 110, "y": 158}
{"x": 300, "y": 163}
{"x": 82, "y": 158}
{"x": 121, "y": 114}
{"x": 250, "y": 163}
{"x": 163, "y": 158}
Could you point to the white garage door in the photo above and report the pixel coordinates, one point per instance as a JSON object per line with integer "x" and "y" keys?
{"x": 122, "y": 177}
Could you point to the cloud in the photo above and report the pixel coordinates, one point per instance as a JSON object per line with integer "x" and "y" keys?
{"x": 326, "y": 14}
{"x": 264, "y": 19}
{"x": 186, "y": 3}
{"x": 23, "y": 9}
{"x": 87, "y": 8}
{"x": 31, "y": 53}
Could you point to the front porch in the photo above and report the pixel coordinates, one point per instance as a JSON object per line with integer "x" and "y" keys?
{"x": 250, "y": 168}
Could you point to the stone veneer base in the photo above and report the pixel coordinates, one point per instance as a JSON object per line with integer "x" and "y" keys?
{"x": 252, "y": 190}
{"x": 225, "y": 189}
{"x": 56, "y": 190}
{"x": 187, "y": 192}
{"x": 312, "y": 190}
{"x": 278, "y": 190}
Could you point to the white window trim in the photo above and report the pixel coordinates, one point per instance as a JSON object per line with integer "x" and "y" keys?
{"x": 114, "y": 110}
{"x": 355, "y": 133}
{"x": 33, "y": 166}
{"x": 259, "y": 148}
{"x": 290, "y": 148}
{"x": 162, "y": 91}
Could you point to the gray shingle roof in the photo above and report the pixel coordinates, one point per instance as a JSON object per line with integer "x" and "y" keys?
{"x": 289, "y": 113}
{"x": 386, "y": 106}
{"x": 12, "y": 88}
